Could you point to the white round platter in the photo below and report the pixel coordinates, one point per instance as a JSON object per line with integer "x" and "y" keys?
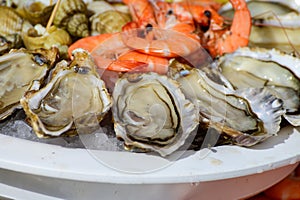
{"x": 29, "y": 160}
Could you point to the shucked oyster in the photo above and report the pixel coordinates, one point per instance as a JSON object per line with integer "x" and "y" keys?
{"x": 151, "y": 112}
{"x": 18, "y": 70}
{"x": 245, "y": 117}
{"x": 272, "y": 69}
{"x": 74, "y": 94}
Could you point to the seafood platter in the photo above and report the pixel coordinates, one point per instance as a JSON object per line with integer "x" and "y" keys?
{"x": 104, "y": 97}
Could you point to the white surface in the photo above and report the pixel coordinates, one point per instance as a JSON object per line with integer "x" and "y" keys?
{"x": 79, "y": 164}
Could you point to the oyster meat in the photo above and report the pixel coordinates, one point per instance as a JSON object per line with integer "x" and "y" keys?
{"x": 272, "y": 69}
{"x": 150, "y": 112}
{"x": 245, "y": 117}
{"x": 73, "y": 98}
{"x": 18, "y": 70}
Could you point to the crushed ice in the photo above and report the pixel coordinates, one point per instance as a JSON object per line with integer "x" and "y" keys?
{"x": 19, "y": 128}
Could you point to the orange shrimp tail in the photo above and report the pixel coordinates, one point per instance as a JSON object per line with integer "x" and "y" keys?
{"x": 88, "y": 43}
{"x": 238, "y": 35}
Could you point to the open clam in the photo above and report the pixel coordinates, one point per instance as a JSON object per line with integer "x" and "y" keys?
{"x": 19, "y": 70}
{"x": 74, "y": 94}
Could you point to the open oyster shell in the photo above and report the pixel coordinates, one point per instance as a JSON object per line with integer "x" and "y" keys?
{"x": 245, "y": 117}
{"x": 272, "y": 69}
{"x": 18, "y": 70}
{"x": 151, "y": 112}
{"x": 74, "y": 94}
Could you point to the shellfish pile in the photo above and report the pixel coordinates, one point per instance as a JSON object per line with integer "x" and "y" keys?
{"x": 244, "y": 96}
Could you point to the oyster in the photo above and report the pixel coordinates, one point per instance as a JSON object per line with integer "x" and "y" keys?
{"x": 272, "y": 69}
{"x": 72, "y": 16}
{"x": 245, "y": 117}
{"x": 39, "y": 37}
{"x": 12, "y": 25}
{"x": 75, "y": 94}
{"x": 150, "y": 112}
{"x": 275, "y": 24}
{"x": 18, "y": 70}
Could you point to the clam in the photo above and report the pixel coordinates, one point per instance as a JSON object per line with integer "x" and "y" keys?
{"x": 73, "y": 97}
{"x": 272, "y": 69}
{"x": 39, "y": 37}
{"x": 12, "y": 26}
{"x": 19, "y": 71}
{"x": 243, "y": 117}
{"x": 72, "y": 16}
{"x": 151, "y": 113}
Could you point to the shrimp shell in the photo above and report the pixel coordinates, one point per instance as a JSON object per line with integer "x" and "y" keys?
{"x": 72, "y": 15}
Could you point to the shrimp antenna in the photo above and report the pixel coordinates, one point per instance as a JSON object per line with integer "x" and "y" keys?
{"x": 259, "y": 22}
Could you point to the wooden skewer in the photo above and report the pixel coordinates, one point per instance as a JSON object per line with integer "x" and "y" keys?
{"x": 51, "y": 2}
{"x": 53, "y": 15}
